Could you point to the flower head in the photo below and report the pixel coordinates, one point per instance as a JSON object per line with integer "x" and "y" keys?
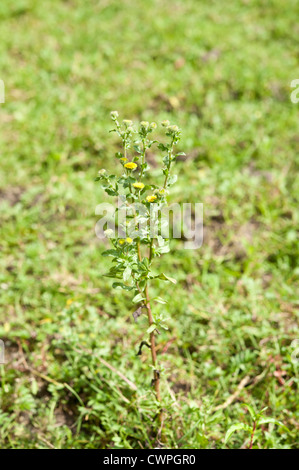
{"x": 123, "y": 159}
{"x": 127, "y": 122}
{"x": 109, "y": 233}
{"x": 144, "y": 124}
{"x": 138, "y": 185}
{"x": 173, "y": 129}
{"x": 153, "y": 125}
{"x": 151, "y": 198}
{"x": 102, "y": 172}
{"x": 165, "y": 123}
{"x": 129, "y": 240}
{"x": 114, "y": 115}
{"x": 131, "y": 166}
{"x": 121, "y": 241}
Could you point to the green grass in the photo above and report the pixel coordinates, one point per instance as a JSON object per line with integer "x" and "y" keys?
{"x": 223, "y": 73}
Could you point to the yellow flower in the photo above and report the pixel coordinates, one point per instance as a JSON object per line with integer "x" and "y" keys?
{"x": 151, "y": 198}
{"x": 123, "y": 159}
{"x": 129, "y": 240}
{"x": 138, "y": 185}
{"x": 131, "y": 166}
{"x": 121, "y": 241}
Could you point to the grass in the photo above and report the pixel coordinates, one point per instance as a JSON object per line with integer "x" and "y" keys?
{"x": 223, "y": 74}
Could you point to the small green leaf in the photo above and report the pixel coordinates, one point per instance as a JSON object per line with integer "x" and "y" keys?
{"x": 122, "y": 286}
{"x": 274, "y": 421}
{"x": 110, "y": 253}
{"x": 138, "y": 298}
{"x": 251, "y": 411}
{"x": 172, "y": 179}
{"x": 165, "y": 278}
{"x": 162, "y": 147}
{"x": 137, "y": 148}
{"x": 164, "y": 249}
{"x": 160, "y": 301}
{"x": 127, "y": 273}
{"x": 151, "y": 328}
{"x": 232, "y": 429}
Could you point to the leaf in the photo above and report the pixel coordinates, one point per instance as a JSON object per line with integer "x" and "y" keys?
{"x": 232, "y": 429}
{"x": 111, "y": 192}
{"x": 161, "y": 240}
{"x": 162, "y": 147}
{"x": 151, "y": 328}
{"x": 251, "y": 411}
{"x": 110, "y": 253}
{"x": 163, "y": 249}
{"x": 122, "y": 286}
{"x": 138, "y": 298}
{"x": 127, "y": 273}
{"x": 137, "y": 148}
{"x": 163, "y": 277}
{"x": 160, "y": 301}
{"x": 274, "y": 421}
{"x": 172, "y": 179}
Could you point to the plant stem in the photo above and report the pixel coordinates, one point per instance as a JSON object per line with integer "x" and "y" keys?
{"x": 170, "y": 152}
{"x": 152, "y": 334}
{"x": 153, "y": 347}
{"x": 252, "y": 435}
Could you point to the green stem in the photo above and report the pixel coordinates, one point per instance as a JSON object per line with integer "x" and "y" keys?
{"x": 170, "y": 152}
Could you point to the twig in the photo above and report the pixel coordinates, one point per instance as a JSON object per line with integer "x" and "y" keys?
{"x": 46, "y": 442}
{"x": 232, "y": 398}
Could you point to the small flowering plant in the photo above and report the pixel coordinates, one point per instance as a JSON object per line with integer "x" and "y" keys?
{"x": 139, "y": 238}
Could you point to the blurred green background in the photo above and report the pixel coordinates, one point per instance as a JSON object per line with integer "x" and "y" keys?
{"x": 222, "y": 72}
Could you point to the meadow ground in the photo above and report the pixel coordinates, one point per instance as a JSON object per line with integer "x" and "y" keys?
{"x": 222, "y": 72}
